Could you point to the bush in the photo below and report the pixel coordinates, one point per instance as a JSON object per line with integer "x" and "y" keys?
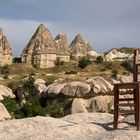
{"x": 10, "y": 104}
{"x": 84, "y": 62}
{"x": 114, "y": 73}
{"x": 58, "y": 62}
{"x": 71, "y": 72}
{"x": 127, "y": 65}
{"x": 17, "y": 60}
{"x": 108, "y": 65}
{"x": 99, "y": 59}
{"x": 5, "y": 70}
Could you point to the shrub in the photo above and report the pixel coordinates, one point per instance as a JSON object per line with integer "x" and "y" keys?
{"x": 84, "y": 62}
{"x": 10, "y": 104}
{"x": 127, "y": 65}
{"x": 58, "y": 62}
{"x": 17, "y": 60}
{"x": 5, "y": 70}
{"x": 71, "y": 72}
{"x": 114, "y": 73}
{"x": 99, "y": 59}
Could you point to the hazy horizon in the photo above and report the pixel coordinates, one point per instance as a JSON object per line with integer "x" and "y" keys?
{"x": 105, "y": 24}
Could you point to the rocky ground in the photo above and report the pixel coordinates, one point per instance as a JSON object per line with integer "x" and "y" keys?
{"x": 84, "y": 126}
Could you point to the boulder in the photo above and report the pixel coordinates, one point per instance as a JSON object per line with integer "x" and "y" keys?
{"x": 76, "y": 89}
{"x": 5, "y": 91}
{"x": 5, "y": 50}
{"x": 4, "y": 115}
{"x": 94, "y": 104}
{"x": 55, "y": 89}
{"x": 80, "y": 105}
{"x": 99, "y": 85}
{"x": 40, "y": 84}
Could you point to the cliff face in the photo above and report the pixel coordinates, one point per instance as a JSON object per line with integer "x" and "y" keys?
{"x": 79, "y": 47}
{"x": 5, "y": 50}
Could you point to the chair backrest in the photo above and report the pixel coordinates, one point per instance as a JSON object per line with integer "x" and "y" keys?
{"x": 135, "y": 65}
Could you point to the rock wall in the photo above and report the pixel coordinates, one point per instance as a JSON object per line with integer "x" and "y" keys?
{"x": 5, "y": 50}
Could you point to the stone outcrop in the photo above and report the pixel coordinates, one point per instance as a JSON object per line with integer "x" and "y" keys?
{"x": 62, "y": 47}
{"x": 94, "y": 104}
{"x": 40, "y": 85}
{"x": 79, "y": 47}
{"x": 4, "y": 115}
{"x": 5, "y": 50}
{"x": 5, "y": 91}
{"x": 84, "y": 126}
{"x": 115, "y": 55}
{"x": 42, "y": 51}
{"x": 99, "y": 85}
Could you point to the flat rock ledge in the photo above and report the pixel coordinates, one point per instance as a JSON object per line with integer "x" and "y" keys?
{"x": 83, "y": 126}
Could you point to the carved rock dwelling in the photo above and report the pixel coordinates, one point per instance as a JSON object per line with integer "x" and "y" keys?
{"x": 5, "y": 50}
{"x": 42, "y": 50}
{"x": 79, "y": 47}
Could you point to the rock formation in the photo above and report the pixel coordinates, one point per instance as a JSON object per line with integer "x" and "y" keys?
{"x": 5, "y": 50}
{"x": 115, "y": 55}
{"x": 62, "y": 47}
{"x": 4, "y": 113}
{"x": 79, "y": 47}
{"x": 42, "y": 51}
{"x": 5, "y": 91}
{"x": 80, "y": 126}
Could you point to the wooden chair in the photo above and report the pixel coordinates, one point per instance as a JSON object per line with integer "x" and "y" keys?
{"x": 134, "y": 101}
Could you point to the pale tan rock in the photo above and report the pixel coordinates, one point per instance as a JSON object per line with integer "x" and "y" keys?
{"x": 114, "y": 55}
{"x": 4, "y": 115}
{"x": 94, "y": 104}
{"x": 5, "y": 50}
{"x": 5, "y": 91}
{"x": 99, "y": 85}
{"x": 76, "y": 89}
{"x": 40, "y": 85}
{"x": 60, "y": 42}
{"x": 79, "y": 47}
{"x": 80, "y": 126}
{"x": 80, "y": 105}
{"x": 42, "y": 50}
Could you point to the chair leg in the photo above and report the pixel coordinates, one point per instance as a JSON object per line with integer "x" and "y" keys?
{"x": 116, "y": 108}
{"x": 138, "y": 108}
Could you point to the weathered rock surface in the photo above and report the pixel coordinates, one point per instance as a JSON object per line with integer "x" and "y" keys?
{"x": 99, "y": 85}
{"x": 61, "y": 44}
{"x": 94, "y": 104}
{"x": 40, "y": 85}
{"x": 113, "y": 55}
{"x": 5, "y": 50}
{"x": 84, "y": 126}
{"x": 5, "y": 91}
{"x": 79, "y": 47}
{"x": 4, "y": 115}
{"x": 42, "y": 50}
{"x": 76, "y": 89}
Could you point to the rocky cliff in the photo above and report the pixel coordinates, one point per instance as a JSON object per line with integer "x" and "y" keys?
{"x": 5, "y": 50}
{"x": 79, "y": 47}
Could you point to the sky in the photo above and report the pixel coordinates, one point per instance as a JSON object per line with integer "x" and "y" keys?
{"x": 105, "y": 24}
